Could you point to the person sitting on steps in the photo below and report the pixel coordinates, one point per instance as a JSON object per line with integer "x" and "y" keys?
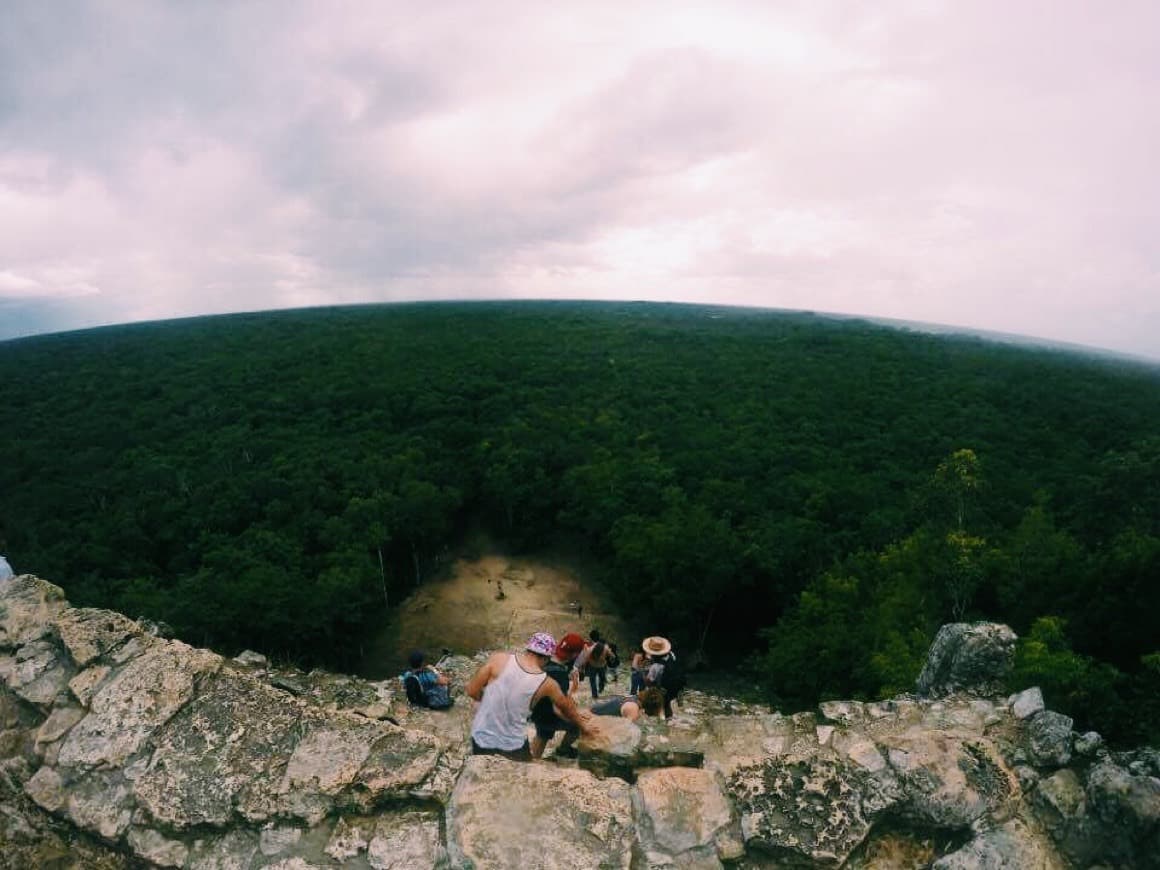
{"x": 424, "y": 685}
{"x": 593, "y": 663}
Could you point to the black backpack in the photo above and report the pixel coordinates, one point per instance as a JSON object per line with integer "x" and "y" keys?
{"x": 436, "y": 698}
{"x": 414, "y": 689}
{"x": 672, "y": 678}
{"x": 613, "y": 660}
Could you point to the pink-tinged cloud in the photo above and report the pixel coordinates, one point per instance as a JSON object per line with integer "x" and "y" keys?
{"x": 988, "y": 165}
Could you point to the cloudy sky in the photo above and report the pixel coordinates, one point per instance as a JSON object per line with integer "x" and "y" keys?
{"x": 984, "y": 163}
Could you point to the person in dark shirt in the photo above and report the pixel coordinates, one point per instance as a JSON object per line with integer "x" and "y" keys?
{"x": 648, "y": 701}
{"x": 545, "y": 717}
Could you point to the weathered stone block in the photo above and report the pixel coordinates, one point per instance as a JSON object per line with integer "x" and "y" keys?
{"x": 684, "y": 817}
{"x": 972, "y": 657}
{"x": 508, "y": 814}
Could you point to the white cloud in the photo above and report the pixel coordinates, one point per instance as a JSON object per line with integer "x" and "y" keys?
{"x": 981, "y": 164}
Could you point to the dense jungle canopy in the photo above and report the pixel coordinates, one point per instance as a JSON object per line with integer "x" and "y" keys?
{"x": 803, "y": 498}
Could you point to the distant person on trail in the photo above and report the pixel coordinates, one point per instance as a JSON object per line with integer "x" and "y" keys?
{"x": 425, "y": 686}
{"x": 544, "y": 715}
{"x": 5, "y": 570}
{"x": 593, "y": 663}
{"x": 508, "y": 686}
{"x": 639, "y": 666}
{"x": 613, "y": 660}
{"x": 649, "y": 701}
{"x": 664, "y": 672}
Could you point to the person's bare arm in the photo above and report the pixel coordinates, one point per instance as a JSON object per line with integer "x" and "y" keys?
{"x": 566, "y": 707}
{"x": 630, "y": 710}
{"x": 490, "y": 668}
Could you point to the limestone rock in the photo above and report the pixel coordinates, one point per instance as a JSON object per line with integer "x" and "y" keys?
{"x": 1088, "y": 743}
{"x": 949, "y": 780}
{"x": 233, "y": 850}
{"x": 40, "y": 672}
{"x": 1049, "y": 738}
{"x": 1059, "y": 800}
{"x": 158, "y": 849}
{"x": 843, "y": 712}
{"x": 684, "y": 818}
{"x": 28, "y": 605}
{"x": 1013, "y": 844}
{"x": 1027, "y": 703}
{"x": 46, "y": 788}
{"x": 100, "y": 802}
{"x": 85, "y": 684}
{"x": 800, "y": 809}
{"x": 613, "y": 751}
{"x": 964, "y": 656}
{"x": 31, "y": 838}
{"x": 395, "y": 840}
{"x": 88, "y": 634}
{"x": 141, "y": 697}
{"x": 57, "y": 725}
{"x": 222, "y": 748}
{"x": 1129, "y": 806}
{"x": 507, "y": 814}
{"x": 173, "y": 757}
{"x": 662, "y": 746}
{"x": 735, "y": 741}
{"x": 251, "y": 659}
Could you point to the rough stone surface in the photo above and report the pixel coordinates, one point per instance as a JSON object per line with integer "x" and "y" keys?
{"x": 1127, "y": 808}
{"x": 1049, "y": 738}
{"x": 1062, "y": 794}
{"x": 39, "y": 672}
{"x": 251, "y": 659}
{"x": 392, "y": 841}
{"x": 968, "y": 656}
{"x": 506, "y": 814}
{"x": 950, "y": 780}
{"x": 805, "y": 809}
{"x": 157, "y": 848}
{"x": 88, "y": 634}
{"x": 159, "y": 754}
{"x": 1088, "y": 743}
{"x": 126, "y": 711}
{"x": 1027, "y": 703}
{"x": 28, "y": 607}
{"x": 683, "y": 817}
{"x": 85, "y": 684}
{"x": 1010, "y": 845}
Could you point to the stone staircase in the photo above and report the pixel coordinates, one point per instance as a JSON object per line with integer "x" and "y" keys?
{"x": 120, "y": 748}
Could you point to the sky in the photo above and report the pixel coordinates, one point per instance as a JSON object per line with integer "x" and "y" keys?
{"x": 984, "y": 164}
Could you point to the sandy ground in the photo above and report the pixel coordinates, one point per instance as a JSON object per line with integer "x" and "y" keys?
{"x": 466, "y": 612}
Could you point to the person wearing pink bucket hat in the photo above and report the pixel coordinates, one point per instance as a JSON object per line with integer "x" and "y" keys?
{"x": 508, "y": 686}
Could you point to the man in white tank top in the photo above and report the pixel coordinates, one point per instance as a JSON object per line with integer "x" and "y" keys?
{"x": 514, "y": 683}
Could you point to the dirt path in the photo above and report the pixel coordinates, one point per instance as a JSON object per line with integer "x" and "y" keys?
{"x": 466, "y": 612}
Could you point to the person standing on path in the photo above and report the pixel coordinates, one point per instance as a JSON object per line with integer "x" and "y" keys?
{"x": 593, "y": 663}
{"x": 544, "y": 715}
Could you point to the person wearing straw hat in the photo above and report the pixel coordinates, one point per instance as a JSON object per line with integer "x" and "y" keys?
{"x": 663, "y": 670}
{"x": 508, "y": 686}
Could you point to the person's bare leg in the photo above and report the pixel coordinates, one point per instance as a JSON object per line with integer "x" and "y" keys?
{"x": 539, "y": 744}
